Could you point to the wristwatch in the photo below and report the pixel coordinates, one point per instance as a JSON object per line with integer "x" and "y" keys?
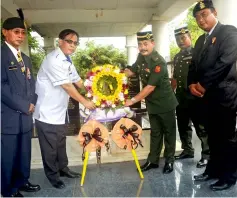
{"x": 133, "y": 100}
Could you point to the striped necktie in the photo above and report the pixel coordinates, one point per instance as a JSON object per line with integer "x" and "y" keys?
{"x": 206, "y": 37}
{"x": 21, "y": 62}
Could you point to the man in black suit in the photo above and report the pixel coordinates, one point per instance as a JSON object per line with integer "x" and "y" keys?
{"x": 17, "y": 105}
{"x": 213, "y": 76}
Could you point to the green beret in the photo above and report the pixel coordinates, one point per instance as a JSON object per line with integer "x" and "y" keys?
{"x": 141, "y": 36}
{"x": 180, "y": 31}
{"x": 13, "y": 22}
{"x": 202, "y": 4}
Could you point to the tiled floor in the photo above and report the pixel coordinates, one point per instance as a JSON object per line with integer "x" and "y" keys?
{"x": 122, "y": 180}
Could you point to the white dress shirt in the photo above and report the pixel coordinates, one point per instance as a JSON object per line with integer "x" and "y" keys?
{"x": 53, "y": 100}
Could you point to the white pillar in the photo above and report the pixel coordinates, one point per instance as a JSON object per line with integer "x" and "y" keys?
{"x": 132, "y": 51}
{"x": 161, "y": 37}
{"x": 226, "y": 11}
{"x": 49, "y": 44}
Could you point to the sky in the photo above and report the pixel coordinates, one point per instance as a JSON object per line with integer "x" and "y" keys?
{"x": 120, "y": 42}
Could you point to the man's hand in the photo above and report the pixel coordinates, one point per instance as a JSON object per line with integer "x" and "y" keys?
{"x": 200, "y": 88}
{"x": 194, "y": 91}
{"x": 31, "y": 109}
{"x": 128, "y": 72}
{"x": 128, "y": 103}
{"x": 89, "y": 105}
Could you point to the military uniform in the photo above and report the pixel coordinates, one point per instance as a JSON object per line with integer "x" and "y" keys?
{"x": 161, "y": 104}
{"x": 214, "y": 67}
{"x": 190, "y": 107}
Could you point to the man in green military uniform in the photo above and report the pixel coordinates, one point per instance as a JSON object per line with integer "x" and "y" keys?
{"x": 160, "y": 101}
{"x": 190, "y": 107}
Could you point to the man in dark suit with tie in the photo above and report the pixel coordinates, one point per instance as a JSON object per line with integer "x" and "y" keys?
{"x": 213, "y": 76}
{"x": 17, "y": 105}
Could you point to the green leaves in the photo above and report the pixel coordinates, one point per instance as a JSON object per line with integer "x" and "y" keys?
{"x": 85, "y": 59}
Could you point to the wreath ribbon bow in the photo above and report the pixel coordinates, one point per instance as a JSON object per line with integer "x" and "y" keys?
{"x": 131, "y": 131}
{"x": 95, "y": 135}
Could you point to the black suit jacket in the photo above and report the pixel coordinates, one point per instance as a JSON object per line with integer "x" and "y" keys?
{"x": 17, "y": 92}
{"x": 213, "y": 65}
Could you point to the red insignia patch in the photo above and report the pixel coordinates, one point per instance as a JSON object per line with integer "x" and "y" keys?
{"x": 157, "y": 69}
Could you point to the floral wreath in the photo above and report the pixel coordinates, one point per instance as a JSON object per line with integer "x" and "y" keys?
{"x": 107, "y": 86}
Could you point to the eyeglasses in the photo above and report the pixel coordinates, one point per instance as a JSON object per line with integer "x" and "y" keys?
{"x": 18, "y": 32}
{"x": 203, "y": 15}
{"x": 76, "y": 43}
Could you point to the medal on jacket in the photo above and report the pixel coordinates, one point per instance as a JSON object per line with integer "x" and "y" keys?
{"x": 28, "y": 75}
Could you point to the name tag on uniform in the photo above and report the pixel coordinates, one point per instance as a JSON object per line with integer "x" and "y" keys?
{"x": 187, "y": 58}
{"x": 12, "y": 67}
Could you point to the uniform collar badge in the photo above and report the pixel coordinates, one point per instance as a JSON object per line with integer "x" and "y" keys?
{"x": 12, "y": 63}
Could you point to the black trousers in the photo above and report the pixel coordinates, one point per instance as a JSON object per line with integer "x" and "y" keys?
{"x": 222, "y": 139}
{"x": 192, "y": 110}
{"x": 15, "y": 161}
{"x": 52, "y": 140}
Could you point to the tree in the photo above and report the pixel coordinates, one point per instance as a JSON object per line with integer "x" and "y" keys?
{"x": 85, "y": 59}
{"x": 36, "y": 59}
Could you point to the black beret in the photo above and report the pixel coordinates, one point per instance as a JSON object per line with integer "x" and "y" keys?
{"x": 141, "y": 36}
{"x": 13, "y": 22}
{"x": 182, "y": 30}
{"x": 202, "y": 4}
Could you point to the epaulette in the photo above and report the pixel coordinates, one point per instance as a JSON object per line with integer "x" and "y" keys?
{"x": 155, "y": 56}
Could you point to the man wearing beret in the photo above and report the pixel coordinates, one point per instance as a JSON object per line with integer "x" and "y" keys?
{"x": 17, "y": 102}
{"x": 190, "y": 107}
{"x": 160, "y": 101}
{"x": 213, "y": 76}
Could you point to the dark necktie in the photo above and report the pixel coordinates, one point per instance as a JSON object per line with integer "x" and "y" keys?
{"x": 206, "y": 37}
{"x": 69, "y": 59}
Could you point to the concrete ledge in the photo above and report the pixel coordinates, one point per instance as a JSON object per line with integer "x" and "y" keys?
{"x": 115, "y": 154}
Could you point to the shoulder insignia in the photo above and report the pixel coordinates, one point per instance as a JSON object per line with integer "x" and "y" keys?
{"x": 187, "y": 58}
{"x": 155, "y": 56}
{"x": 157, "y": 69}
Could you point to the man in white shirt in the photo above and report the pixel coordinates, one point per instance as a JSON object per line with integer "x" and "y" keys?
{"x": 54, "y": 85}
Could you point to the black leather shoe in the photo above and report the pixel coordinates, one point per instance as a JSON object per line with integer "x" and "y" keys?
{"x": 183, "y": 156}
{"x": 148, "y": 165}
{"x": 221, "y": 185}
{"x": 202, "y": 177}
{"x": 17, "y": 194}
{"x": 59, "y": 184}
{"x": 70, "y": 174}
{"x": 28, "y": 187}
{"x": 202, "y": 163}
{"x": 168, "y": 168}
